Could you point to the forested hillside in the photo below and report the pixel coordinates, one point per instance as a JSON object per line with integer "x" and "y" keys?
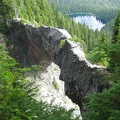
{"x": 41, "y": 13}
{"x": 103, "y": 9}
{"x": 106, "y": 105}
{"x": 16, "y": 94}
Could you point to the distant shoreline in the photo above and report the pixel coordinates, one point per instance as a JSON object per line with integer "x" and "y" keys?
{"x": 80, "y": 14}
{"x": 72, "y": 15}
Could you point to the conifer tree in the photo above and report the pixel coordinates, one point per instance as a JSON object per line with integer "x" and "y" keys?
{"x": 106, "y": 105}
{"x": 114, "y": 50}
{"x": 116, "y": 29}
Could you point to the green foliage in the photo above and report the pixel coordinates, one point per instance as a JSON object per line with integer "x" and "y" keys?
{"x": 106, "y": 53}
{"x": 25, "y": 21}
{"x": 5, "y": 13}
{"x": 105, "y": 106}
{"x": 14, "y": 89}
{"x": 41, "y": 13}
{"x": 114, "y": 49}
{"x": 16, "y": 95}
{"x": 34, "y": 71}
{"x": 103, "y": 9}
{"x": 55, "y": 84}
{"x": 116, "y": 29}
{"x": 62, "y": 43}
{"x": 82, "y": 43}
{"x": 99, "y": 54}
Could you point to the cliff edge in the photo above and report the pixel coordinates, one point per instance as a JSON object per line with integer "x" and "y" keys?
{"x": 43, "y": 45}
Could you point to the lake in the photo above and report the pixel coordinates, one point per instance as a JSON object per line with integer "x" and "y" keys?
{"x": 89, "y": 19}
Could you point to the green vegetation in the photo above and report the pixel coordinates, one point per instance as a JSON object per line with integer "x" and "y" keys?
{"x": 16, "y": 95}
{"x": 99, "y": 54}
{"x": 103, "y": 9}
{"x": 15, "y": 91}
{"x": 62, "y": 43}
{"x": 39, "y": 12}
{"x": 106, "y": 105}
{"x": 81, "y": 42}
{"x": 55, "y": 84}
{"x": 107, "y": 51}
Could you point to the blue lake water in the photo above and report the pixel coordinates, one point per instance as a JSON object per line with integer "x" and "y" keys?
{"x": 90, "y": 20}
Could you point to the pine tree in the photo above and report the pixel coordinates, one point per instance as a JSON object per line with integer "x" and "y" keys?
{"x": 116, "y": 29}
{"x": 106, "y": 105}
{"x": 114, "y": 50}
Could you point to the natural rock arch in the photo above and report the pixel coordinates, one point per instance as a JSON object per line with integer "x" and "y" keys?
{"x": 31, "y": 45}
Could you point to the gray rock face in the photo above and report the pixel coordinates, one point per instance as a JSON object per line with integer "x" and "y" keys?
{"x": 44, "y": 45}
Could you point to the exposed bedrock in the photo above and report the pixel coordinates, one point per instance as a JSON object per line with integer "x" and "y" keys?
{"x": 44, "y": 45}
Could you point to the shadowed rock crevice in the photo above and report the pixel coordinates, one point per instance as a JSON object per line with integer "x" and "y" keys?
{"x": 44, "y": 45}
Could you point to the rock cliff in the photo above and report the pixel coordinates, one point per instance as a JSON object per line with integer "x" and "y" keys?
{"x": 41, "y": 46}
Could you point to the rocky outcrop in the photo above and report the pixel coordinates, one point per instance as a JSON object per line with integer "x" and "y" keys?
{"x": 31, "y": 45}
